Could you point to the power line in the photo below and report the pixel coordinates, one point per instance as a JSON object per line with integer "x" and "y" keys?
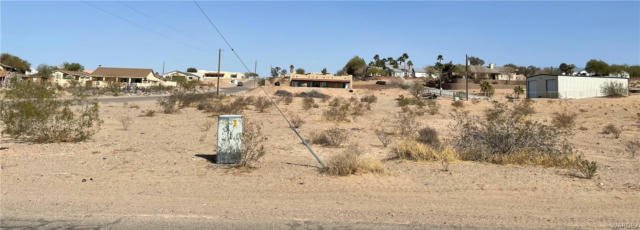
{"x": 222, "y": 36}
{"x": 142, "y": 27}
{"x": 183, "y": 35}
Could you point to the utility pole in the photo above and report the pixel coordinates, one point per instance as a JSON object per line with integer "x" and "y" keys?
{"x": 218, "y": 84}
{"x": 466, "y": 76}
{"x": 255, "y": 71}
{"x": 162, "y": 67}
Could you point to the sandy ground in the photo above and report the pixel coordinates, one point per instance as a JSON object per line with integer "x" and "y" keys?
{"x": 159, "y": 168}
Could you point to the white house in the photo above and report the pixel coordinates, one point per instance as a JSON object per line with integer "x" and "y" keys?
{"x": 554, "y": 86}
{"x": 225, "y": 75}
{"x": 187, "y": 75}
{"x": 66, "y": 77}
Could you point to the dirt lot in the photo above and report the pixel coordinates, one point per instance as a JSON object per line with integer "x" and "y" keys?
{"x": 159, "y": 167}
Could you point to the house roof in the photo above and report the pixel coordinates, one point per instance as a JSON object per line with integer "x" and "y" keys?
{"x": 121, "y": 72}
{"x": 484, "y": 69}
{"x": 180, "y": 72}
{"x": 78, "y": 73}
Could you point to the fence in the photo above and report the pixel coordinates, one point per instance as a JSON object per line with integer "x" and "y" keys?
{"x": 449, "y": 93}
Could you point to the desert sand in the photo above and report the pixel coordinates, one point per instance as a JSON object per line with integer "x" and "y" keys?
{"x": 159, "y": 167}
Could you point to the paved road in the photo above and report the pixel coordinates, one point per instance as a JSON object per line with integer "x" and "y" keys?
{"x": 199, "y": 222}
{"x": 229, "y": 91}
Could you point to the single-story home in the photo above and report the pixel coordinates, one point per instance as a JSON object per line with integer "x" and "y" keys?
{"x": 131, "y": 76}
{"x": 493, "y": 72}
{"x": 558, "y": 86}
{"x": 65, "y": 77}
{"x": 225, "y": 75}
{"x": 187, "y": 75}
{"x": 321, "y": 80}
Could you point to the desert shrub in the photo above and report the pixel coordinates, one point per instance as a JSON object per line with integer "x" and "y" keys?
{"x": 252, "y": 143}
{"x": 613, "y": 89}
{"x": 126, "y": 121}
{"x": 335, "y": 102}
{"x": 283, "y": 93}
{"x": 588, "y": 169}
{"x": 337, "y": 113}
{"x": 262, "y": 104}
{"x": 613, "y": 130}
{"x": 384, "y": 137}
{"x": 114, "y": 87}
{"x": 457, "y": 104}
{"x": 407, "y": 124}
{"x": 35, "y": 113}
{"x": 506, "y": 134}
{"x": 149, "y": 113}
{"x": 633, "y": 147}
{"x": 261, "y": 82}
{"x": 134, "y": 106}
{"x": 358, "y": 109}
{"x": 313, "y": 93}
{"x": 428, "y": 136}
{"x": 403, "y": 101}
{"x": 525, "y": 108}
{"x": 475, "y": 100}
{"x": 307, "y": 103}
{"x": 287, "y": 100}
{"x": 189, "y": 99}
{"x": 168, "y": 104}
{"x": 350, "y": 162}
{"x": 296, "y": 121}
{"x": 432, "y": 107}
{"x": 564, "y": 120}
{"x": 369, "y": 99}
{"x": 218, "y": 108}
{"x": 417, "y": 151}
{"x": 330, "y": 137}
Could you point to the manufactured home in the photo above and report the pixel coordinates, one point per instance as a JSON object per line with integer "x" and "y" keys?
{"x": 321, "y": 80}
{"x": 554, "y": 86}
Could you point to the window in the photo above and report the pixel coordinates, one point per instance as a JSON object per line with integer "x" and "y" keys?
{"x": 324, "y": 84}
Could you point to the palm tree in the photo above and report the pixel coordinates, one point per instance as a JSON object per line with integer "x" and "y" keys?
{"x": 486, "y": 88}
{"x": 291, "y": 69}
{"x": 410, "y": 63}
{"x": 440, "y": 58}
{"x": 518, "y": 90}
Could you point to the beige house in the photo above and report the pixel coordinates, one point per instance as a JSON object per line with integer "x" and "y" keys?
{"x": 131, "y": 76}
{"x": 225, "y": 75}
{"x": 321, "y": 80}
{"x": 66, "y": 78}
{"x": 493, "y": 72}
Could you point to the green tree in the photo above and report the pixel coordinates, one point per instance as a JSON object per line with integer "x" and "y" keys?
{"x": 275, "y": 71}
{"x": 475, "y": 61}
{"x": 324, "y": 71}
{"x": 355, "y": 66}
{"x": 300, "y": 71}
{"x": 486, "y": 88}
{"x": 598, "y": 67}
{"x": 250, "y": 74}
{"x": 45, "y": 71}
{"x": 634, "y": 71}
{"x": 74, "y": 66}
{"x": 567, "y": 69}
{"x": 15, "y": 62}
{"x": 291, "y": 67}
{"x": 192, "y": 70}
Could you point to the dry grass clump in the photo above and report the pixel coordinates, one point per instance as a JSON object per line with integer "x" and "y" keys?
{"x": 407, "y": 124}
{"x": 384, "y": 137}
{"x": 588, "y": 169}
{"x": 433, "y": 107}
{"x": 134, "y": 106}
{"x": 340, "y": 109}
{"x": 428, "y": 136}
{"x": 149, "y": 113}
{"x": 475, "y": 101}
{"x": 295, "y": 120}
{"x": 564, "y": 120}
{"x": 351, "y": 162}
{"x": 287, "y": 100}
{"x": 417, "y": 151}
{"x": 126, "y": 121}
{"x": 506, "y": 136}
{"x": 261, "y": 104}
{"x": 308, "y": 103}
{"x": 252, "y": 144}
{"x": 525, "y": 107}
{"x": 633, "y": 147}
{"x": 369, "y": 99}
{"x": 613, "y": 130}
{"x": 330, "y": 137}
{"x": 168, "y": 104}
{"x": 313, "y": 93}
{"x": 283, "y": 93}
{"x": 457, "y": 104}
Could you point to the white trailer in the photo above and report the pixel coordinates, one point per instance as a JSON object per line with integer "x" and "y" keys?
{"x": 554, "y": 86}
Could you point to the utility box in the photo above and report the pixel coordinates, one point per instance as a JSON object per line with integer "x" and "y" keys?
{"x": 229, "y": 147}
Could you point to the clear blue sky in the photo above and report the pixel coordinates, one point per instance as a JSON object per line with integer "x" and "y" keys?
{"x": 313, "y": 35}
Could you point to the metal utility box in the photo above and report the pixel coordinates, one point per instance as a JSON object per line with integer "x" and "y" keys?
{"x": 229, "y": 147}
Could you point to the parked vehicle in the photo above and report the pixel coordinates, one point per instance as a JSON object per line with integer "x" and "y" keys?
{"x": 381, "y": 82}
{"x": 240, "y": 84}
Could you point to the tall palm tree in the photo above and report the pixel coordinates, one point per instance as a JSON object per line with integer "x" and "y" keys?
{"x": 440, "y": 58}
{"x": 410, "y": 63}
{"x": 291, "y": 69}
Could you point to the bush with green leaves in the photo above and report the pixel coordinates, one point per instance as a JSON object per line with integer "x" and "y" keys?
{"x": 486, "y": 88}
{"x": 613, "y": 89}
{"x": 507, "y": 136}
{"x": 35, "y": 113}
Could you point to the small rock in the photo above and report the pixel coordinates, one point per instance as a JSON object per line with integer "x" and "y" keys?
{"x": 84, "y": 180}
{"x": 91, "y": 179}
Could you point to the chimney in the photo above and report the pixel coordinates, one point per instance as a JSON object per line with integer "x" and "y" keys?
{"x": 491, "y": 65}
